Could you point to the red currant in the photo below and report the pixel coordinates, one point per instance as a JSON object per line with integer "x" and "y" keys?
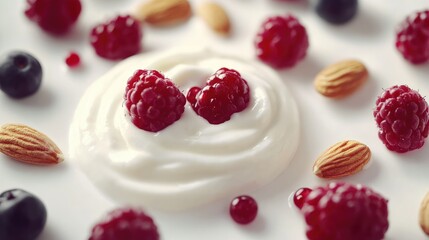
{"x": 73, "y": 60}
{"x": 300, "y": 195}
{"x": 243, "y": 209}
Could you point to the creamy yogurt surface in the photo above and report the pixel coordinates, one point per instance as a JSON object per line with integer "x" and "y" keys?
{"x": 191, "y": 162}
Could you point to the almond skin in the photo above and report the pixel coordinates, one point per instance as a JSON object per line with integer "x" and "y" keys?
{"x": 341, "y": 79}
{"x": 215, "y": 17}
{"x": 25, "y": 144}
{"x": 163, "y": 12}
{"x": 424, "y": 214}
{"x": 342, "y": 159}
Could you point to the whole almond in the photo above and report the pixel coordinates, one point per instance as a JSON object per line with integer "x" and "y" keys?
{"x": 215, "y": 17}
{"x": 341, "y": 79}
{"x": 342, "y": 159}
{"x": 163, "y": 12}
{"x": 25, "y": 144}
{"x": 424, "y": 214}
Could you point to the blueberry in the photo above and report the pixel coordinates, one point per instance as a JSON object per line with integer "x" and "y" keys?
{"x": 20, "y": 74}
{"x": 337, "y": 11}
{"x": 22, "y": 215}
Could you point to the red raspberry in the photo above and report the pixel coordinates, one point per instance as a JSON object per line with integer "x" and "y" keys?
{"x": 412, "y": 37}
{"x": 126, "y": 223}
{"x": 402, "y": 117}
{"x": 153, "y": 101}
{"x": 340, "y": 211}
{"x": 281, "y": 41}
{"x": 118, "y": 38}
{"x": 53, "y": 16}
{"x": 225, "y": 93}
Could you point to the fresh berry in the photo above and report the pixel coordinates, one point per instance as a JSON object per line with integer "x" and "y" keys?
{"x": 300, "y": 195}
{"x": 153, "y": 101}
{"x": 73, "y": 60}
{"x": 281, "y": 41}
{"x": 340, "y": 211}
{"x": 337, "y": 11}
{"x": 402, "y": 118}
{"x": 53, "y": 16}
{"x": 412, "y": 37}
{"x": 125, "y": 224}
{"x": 118, "y": 38}
{"x": 243, "y": 209}
{"x": 224, "y": 94}
{"x": 20, "y": 74}
{"x": 22, "y": 215}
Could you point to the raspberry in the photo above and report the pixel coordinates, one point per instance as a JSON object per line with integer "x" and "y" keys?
{"x": 153, "y": 101}
{"x": 225, "y": 93}
{"x": 340, "y": 211}
{"x": 412, "y": 37}
{"x": 402, "y": 118}
{"x": 281, "y": 41}
{"x": 53, "y": 16}
{"x": 118, "y": 38}
{"x": 126, "y": 223}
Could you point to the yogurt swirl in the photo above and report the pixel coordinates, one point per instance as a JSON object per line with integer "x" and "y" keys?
{"x": 191, "y": 162}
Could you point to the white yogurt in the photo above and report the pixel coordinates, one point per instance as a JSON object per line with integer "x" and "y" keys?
{"x": 191, "y": 162}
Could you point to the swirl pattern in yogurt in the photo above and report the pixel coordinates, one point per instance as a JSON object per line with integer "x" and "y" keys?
{"x": 191, "y": 162}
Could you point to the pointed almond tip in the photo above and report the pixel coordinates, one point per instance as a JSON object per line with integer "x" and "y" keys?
{"x": 60, "y": 157}
{"x": 317, "y": 172}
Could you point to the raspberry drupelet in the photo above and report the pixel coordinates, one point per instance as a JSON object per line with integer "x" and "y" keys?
{"x": 281, "y": 41}
{"x": 402, "y": 117}
{"x": 224, "y": 94}
{"x": 340, "y": 211}
{"x": 153, "y": 101}
{"x": 118, "y": 38}
{"x": 125, "y": 224}
{"x": 53, "y": 16}
{"x": 412, "y": 37}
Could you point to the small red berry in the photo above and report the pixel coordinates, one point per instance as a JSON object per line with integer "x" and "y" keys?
{"x": 402, "y": 117}
{"x": 300, "y": 195}
{"x": 224, "y": 94}
{"x": 118, "y": 38}
{"x": 243, "y": 209}
{"x": 281, "y": 41}
{"x": 153, "y": 101}
{"x": 340, "y": 211}
{"x": 73, "y": 60}
{"x": 125, "y": 224}
{"x": 412, "y": 37}
{"x": 53, "y": 16}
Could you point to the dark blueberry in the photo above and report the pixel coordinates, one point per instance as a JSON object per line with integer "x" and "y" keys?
{"x": 20, "y": 74}
{"x": 22, "y": 215}
{"x": 337, "y": 11}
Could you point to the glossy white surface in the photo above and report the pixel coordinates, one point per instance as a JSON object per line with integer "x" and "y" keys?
{"x": 74, "y": 205}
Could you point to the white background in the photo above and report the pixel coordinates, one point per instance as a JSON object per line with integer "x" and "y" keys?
{"x": 74, "y": 205}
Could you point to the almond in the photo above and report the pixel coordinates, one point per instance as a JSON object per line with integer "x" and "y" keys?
{"x": 215, "y": 17}
{"x": 424, "y": 214}
{"x": 163, "y": 12}
{"x": 341, "y": 79}
{"x": 28, "y": 145}
{"x": 342, "y": 159}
